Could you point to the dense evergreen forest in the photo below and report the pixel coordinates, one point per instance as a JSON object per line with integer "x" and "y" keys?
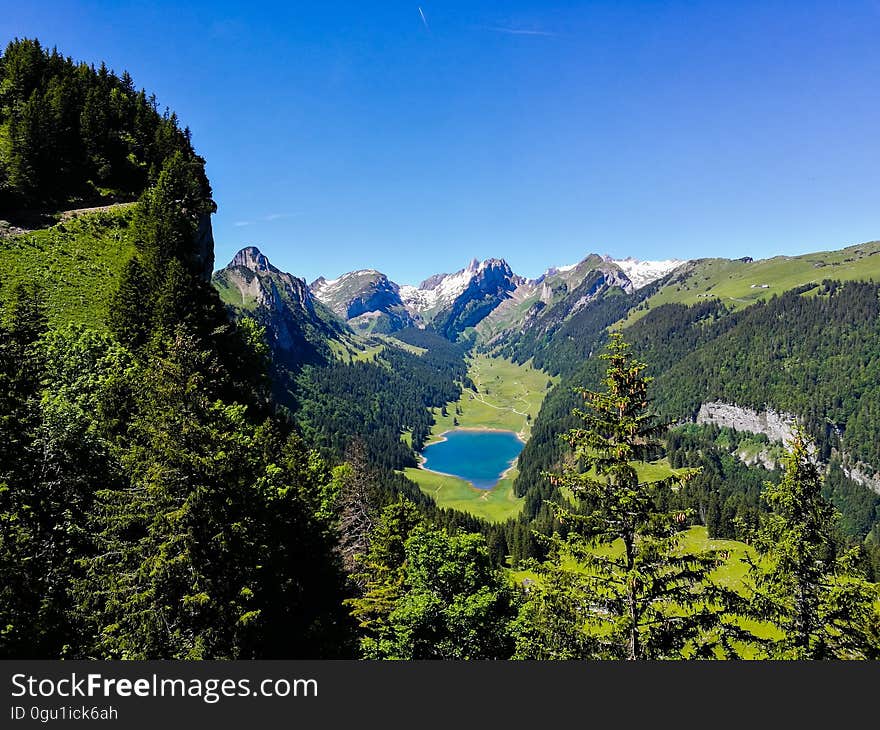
{"x": 377, "y": 399}
{"x": 73, "y": 135}
{"x": 153, "y": 506}
{"x": 168, "y": 491}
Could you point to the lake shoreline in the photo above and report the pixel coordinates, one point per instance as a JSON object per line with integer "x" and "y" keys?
{"x": 440, "y": 437}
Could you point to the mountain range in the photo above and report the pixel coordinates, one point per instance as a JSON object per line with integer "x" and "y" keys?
{"x": 485, "y": 298}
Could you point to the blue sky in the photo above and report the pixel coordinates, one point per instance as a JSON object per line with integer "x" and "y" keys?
{"x": 349, "y": 135}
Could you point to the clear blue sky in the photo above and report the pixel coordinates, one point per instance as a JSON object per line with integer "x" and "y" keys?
{"x": 344, "y": 135}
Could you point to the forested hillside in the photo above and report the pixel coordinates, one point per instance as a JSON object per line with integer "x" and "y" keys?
{"x": 153, "y": 505}
{"x": 72, "y": 135}
{"x": 811, "y": 352}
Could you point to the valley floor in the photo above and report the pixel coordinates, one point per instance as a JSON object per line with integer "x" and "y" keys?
{"x": 507, "y": 396}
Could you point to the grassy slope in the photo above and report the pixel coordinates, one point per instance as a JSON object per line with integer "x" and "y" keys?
{"x": 513, "y": 392}
{"x": 494, "y": 505}
{"x": 505, "y": 394}
{"x": 732, "y": 281}
{"x": 78, "y": 262}
{"x": 695, "y": 539}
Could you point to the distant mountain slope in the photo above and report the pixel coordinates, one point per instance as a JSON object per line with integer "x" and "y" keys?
{"x": 298, "y": 326}
{"x": 490, "y": 283}
{"x": 366, "y": 299}
{"x": 441, "y": 294}
{"x": 642, "y": 273}
{"x": 540, "y": 306}
{"x": 812, "y": 352}
{"x": 742, "y": 282}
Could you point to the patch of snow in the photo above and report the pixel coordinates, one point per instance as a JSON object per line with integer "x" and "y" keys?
{"x": 441, "y": 291}
{"x": 327, "y": 289}
{"x": 327, "y": 284}
{"x": 642, "y": 273}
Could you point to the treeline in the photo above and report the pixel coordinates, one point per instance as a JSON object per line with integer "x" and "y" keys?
{"x": 73, "y": 134}
{"x": 812, "y": 352}
{"x": 377, "y": 400}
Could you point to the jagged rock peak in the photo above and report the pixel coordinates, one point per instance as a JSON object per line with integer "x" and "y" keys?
{"x": 250, "y": 257}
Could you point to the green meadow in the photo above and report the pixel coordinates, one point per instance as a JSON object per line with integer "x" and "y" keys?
{"x": 741, "y": 283}
{"x": 83, "y": 258}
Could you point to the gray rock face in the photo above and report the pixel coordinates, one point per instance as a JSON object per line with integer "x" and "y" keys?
{"x": 777, "y": 426}
{"x": 251, "y": 258}
{"x": 281, "y": 302}
{"x": 864, "y": 475}
{"x": 367, "y": 300}
{"x": 774, "y": 425}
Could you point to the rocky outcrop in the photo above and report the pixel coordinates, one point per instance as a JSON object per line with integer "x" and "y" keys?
{"x": 863, "y": 474}
{"x": 774, "y": 425}
{"x": 203, "y": 247}
{"x": 250, "y": 257}
{"x": 594, "y": 286}
{"x": 762, "y": 458}
{"x": 490, "y": 283}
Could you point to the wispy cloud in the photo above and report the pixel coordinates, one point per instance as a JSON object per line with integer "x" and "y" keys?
{"x": 264, "y": 219}
{"x": 519, "y": 31}
{"x": 424, "y": 19}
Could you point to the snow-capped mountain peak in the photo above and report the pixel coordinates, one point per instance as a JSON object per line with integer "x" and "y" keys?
{"x": 642, "y": 273}
{"x": 442, "y": 289}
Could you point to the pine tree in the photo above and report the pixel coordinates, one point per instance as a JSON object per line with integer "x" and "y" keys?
{"x": 639, "y": 593}
{"x": 819, "y": 601}
{"x": 382, "y": 571}
{"x": 23, "y": 526}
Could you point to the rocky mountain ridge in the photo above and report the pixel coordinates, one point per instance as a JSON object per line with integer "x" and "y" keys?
{"x": 482, "y": 292}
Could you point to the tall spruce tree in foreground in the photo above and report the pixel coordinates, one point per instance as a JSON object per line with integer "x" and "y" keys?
{"x": 632, "y": 589}
{"x": 821, "y": 604}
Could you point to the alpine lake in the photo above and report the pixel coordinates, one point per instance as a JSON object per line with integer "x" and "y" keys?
{"x": 479, "y": 456}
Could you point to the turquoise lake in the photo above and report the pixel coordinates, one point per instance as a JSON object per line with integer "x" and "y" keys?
{"x": 479, "y": 457}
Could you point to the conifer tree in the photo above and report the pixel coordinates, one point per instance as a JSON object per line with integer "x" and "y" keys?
{"x": 639, "y": 593}
{"x": 821, "y": 604}
{"x": 381, "y": 573}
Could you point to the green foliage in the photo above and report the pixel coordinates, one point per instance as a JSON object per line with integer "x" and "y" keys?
{"x": 430, "y": 595}
{"x": 80, "y": 262}
{"x": 822, "y": 604}
{"x": 377, "y": 401}
{"x": 815, "y": 356}
{"x": 60, "y": 430}
{"x": 152, "y": 505}
{"x": 653, "y": 599}
{"x": 70, "y": 133}
{"x": 811, "y": 352}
